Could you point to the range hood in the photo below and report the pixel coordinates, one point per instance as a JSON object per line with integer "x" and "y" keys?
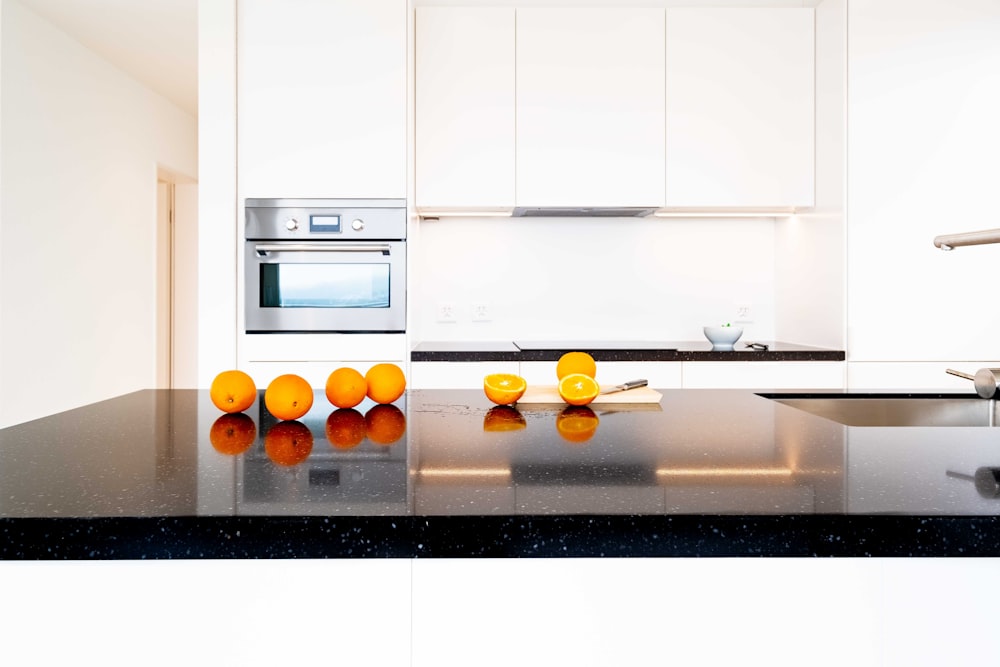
{"x": 582, "y": 211}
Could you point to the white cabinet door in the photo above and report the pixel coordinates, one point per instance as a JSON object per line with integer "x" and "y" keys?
{"x": 763, "y": 375}
{"x": 321, "y": 98}
{"x": 740, "y": 107}
{"x": 464, "y": 108}
{"x": 590, "y": 107}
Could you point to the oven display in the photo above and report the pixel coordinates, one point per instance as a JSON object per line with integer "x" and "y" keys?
{"x": 324, "y": 285}
{"x": 324, "y": 223}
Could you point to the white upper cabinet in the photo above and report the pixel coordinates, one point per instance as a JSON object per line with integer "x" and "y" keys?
{"x": 739, "y": 107}
{"x": 321, "y": 98}
{"x": 590, "y": 107}
{"x": 465, "y": 108}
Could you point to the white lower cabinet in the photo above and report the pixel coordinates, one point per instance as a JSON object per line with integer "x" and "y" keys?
{"x": 914, "y": 376}
{"x": 763, "y": 375}
{"x": 456, "y": 374}
{"x": 590, "y": 611}
{"x": 660, "y": 374}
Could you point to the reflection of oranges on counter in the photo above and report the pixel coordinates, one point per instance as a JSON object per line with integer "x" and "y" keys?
{"x": 504, "y": 388}
{"x": 576, "y": 362}
{"x": 288, "y": 396}
{"x": 386, "y": 382}
{"x": 578, "y": 389}
{"x": 288, "y": 443}
{"x": 233, "y": 433}
{"x": 385, "y": 424}
{"x": 345, "y": 428}
{"x": 233, "y": 391}
{"x": 503, "y": 418}
{"x": 577, "y": 423}
{"x": 346, "y": 387}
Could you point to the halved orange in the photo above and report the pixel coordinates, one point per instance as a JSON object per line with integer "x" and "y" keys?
{"x": 578, "y": 389}
{"x": 504, "y": 388}
{"x": 576, "y": 362}
{"x": 577, "y": 423}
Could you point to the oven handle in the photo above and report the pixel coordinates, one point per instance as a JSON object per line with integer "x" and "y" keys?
{"x": 380, "y": 248}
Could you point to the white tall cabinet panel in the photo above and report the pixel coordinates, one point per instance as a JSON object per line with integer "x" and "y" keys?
{"x": 740, "y": 107}
{"x": 321, "y": 98}
{"x": 590, "y": 105}
{"x": 465, "y": 107}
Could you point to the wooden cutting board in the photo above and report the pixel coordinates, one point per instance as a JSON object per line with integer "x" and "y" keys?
{"x": 550, "y": 394}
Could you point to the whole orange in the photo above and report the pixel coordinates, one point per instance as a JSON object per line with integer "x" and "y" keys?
{"x": 233, "y": 433}
{"x": 288, "y": 396}
{"x": 233, "y": 391}
{"x": 288, "y": 443}
{"x": 385, "y": 424}
{"x": 386, "y": 382}
{"x": 576, "y": 362}
{"x": 346, "y": 387}
{"x": 345, "y": 428}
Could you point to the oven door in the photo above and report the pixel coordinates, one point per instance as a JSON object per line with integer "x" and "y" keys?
{"x": 332, "y": 286}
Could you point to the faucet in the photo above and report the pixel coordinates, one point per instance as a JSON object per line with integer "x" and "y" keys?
{"x": 987, "y": 380}
{"x": 952, "y": 241}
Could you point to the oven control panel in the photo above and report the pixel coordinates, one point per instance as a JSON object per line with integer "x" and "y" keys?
{"x": 341, "y": 219}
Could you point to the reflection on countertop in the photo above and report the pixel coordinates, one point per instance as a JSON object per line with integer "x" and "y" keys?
{"x": 452, "y": 456}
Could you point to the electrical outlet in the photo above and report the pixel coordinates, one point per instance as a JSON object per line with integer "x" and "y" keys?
{"x": 481, "y": 312}
{"x": 446, "y": 312}
{"x": 743, "y": 313}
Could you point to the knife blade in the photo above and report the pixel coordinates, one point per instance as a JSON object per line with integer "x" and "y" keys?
{"x": 631, "y": 384}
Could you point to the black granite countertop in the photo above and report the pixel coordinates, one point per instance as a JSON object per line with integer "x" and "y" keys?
{"x": 617, "y": 350}
{"x": 443, "y": 473}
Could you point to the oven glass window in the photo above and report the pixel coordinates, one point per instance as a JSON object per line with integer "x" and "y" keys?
{"x": 324, "y": 285}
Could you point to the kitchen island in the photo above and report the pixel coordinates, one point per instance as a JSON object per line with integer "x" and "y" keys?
{"x": 444, "y": 473}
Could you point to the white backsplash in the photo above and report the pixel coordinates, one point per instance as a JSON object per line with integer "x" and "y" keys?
{"x": 621, "y": 278}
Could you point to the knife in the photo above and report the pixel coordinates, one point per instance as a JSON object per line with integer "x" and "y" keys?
{"x": 631, "y": 384}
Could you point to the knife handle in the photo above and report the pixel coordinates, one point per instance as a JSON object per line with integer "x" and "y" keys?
{"x": 634, "y": 384}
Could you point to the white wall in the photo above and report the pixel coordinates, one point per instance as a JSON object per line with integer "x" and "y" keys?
{"x": 924, "y": 104}
{"x": 623, "y": 278}
{"x": 81, "y": 143}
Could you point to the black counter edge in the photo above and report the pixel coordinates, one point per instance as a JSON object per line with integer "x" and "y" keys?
{"x": 564, "y": 536}
{"x": 632, "y": 355}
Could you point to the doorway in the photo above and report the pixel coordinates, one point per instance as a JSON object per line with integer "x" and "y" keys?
{"x": 176, "y": 281}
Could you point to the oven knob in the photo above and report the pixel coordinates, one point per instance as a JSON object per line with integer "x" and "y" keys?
{"x": 358, "y": 225}
{"x": 291, "y": 224}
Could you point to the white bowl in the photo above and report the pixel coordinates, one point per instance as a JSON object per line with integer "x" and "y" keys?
{"x": 723, "y": 338}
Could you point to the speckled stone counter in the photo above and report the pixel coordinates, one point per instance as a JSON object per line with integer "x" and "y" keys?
{"x": 161, "y": 474}
{"x": 632, "y": 350}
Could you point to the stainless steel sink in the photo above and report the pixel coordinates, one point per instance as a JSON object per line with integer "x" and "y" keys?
{"x": 868, "y": 410}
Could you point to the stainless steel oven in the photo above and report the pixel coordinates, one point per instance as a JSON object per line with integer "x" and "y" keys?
{"x": 331, "y": 265}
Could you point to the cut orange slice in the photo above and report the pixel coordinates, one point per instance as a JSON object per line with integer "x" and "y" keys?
{"x": 578, "y": 389}
{"x": 504, "y": 388}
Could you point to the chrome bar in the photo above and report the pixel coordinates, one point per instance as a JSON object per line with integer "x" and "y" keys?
{"x": 950, "y": 241}
{"x": 264, "y": 248}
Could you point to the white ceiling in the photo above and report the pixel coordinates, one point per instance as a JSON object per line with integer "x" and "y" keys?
{"x": 154, "y": 41}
